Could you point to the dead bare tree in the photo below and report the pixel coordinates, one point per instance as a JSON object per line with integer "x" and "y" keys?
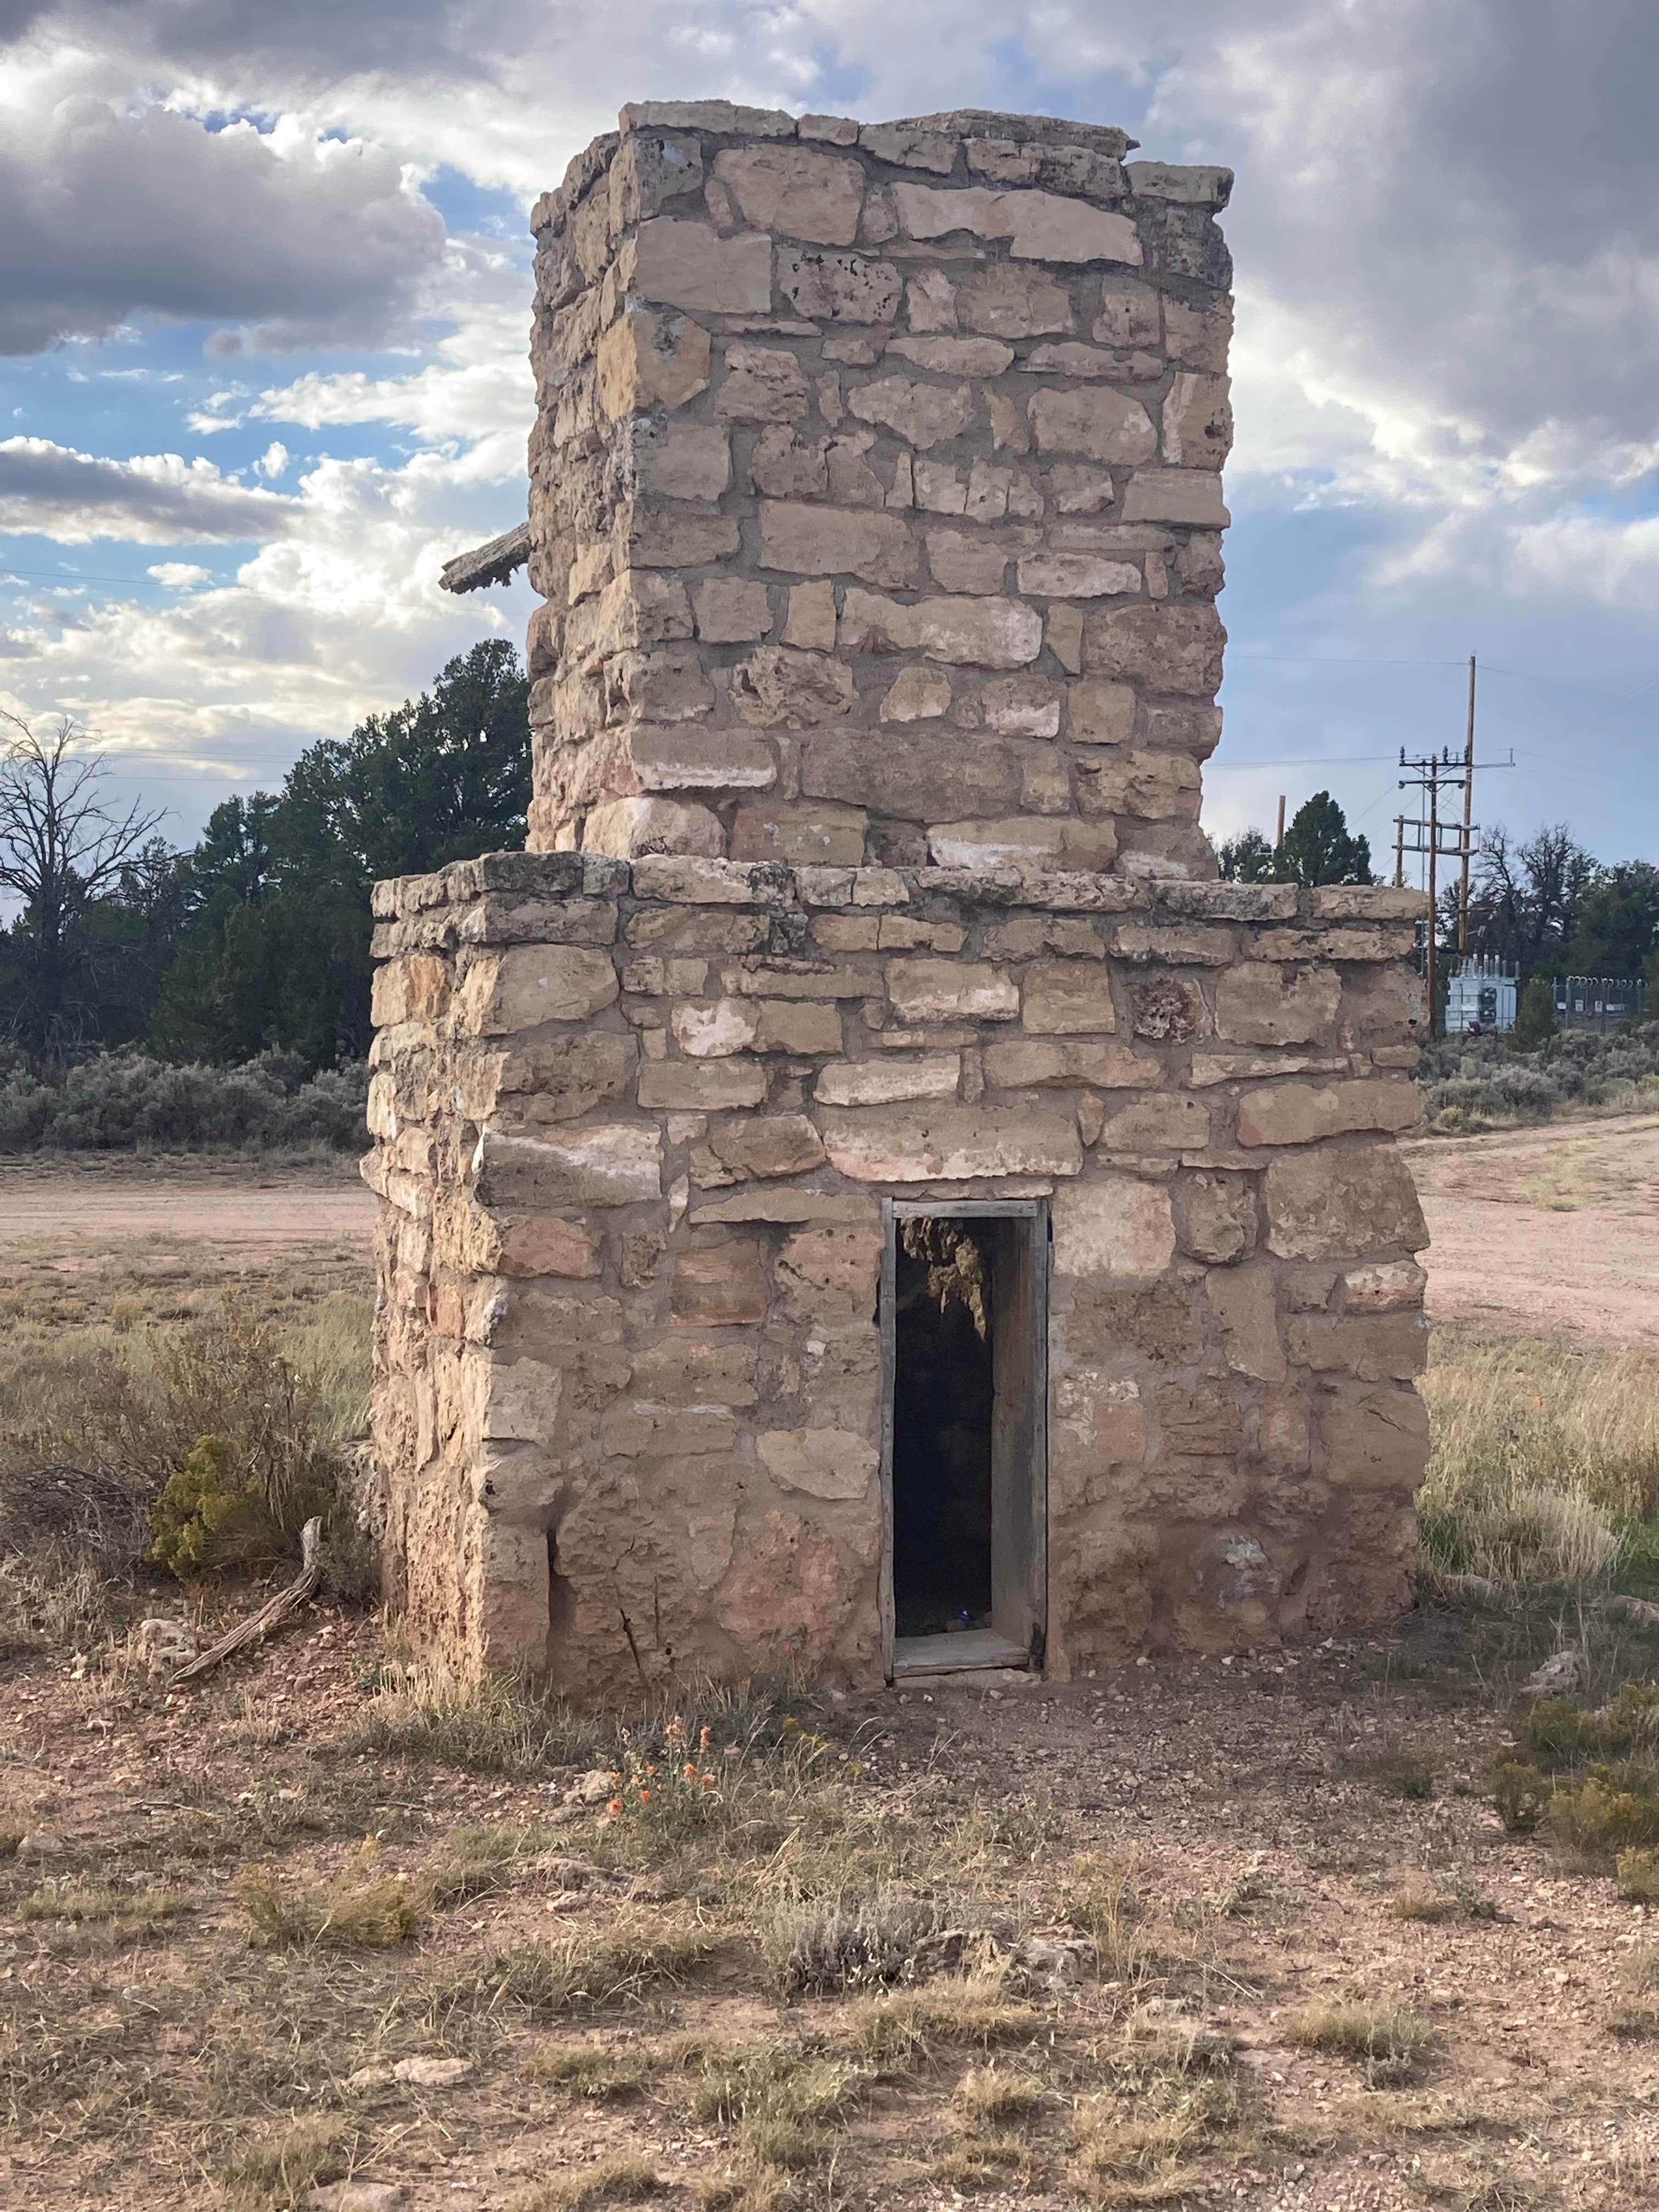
{"x": 61, "y": 849}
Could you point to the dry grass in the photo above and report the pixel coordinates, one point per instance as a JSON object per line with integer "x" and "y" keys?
{"x": 359, "y": 1910}
{"x": 278, "y": 2172}
{"x": 912, "y": 2027}
{"x": 592, "y": 2070}
{"x": 850, "y": 1944}
{"x": 585, "y": 1971}
{"x": 1546, "y": 1452}
{"x": 422, "y": 1710}
{"x": 984, "y": 2095}
{"x": 620, "y": 2180}
{"x": 1388, "y": 2042}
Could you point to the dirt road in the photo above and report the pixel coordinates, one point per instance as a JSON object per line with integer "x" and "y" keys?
{"x": 1541, "y": 1228}
{"x": 1546, "y": 1229}
{"x": 72, "y": 1213}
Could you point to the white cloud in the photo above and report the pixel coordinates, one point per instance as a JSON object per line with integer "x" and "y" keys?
{"x": 179, "y": 575}
{"x": 273, "y": 462}
{"x": 154, "y": 499}
{"x": 282, "y": 237}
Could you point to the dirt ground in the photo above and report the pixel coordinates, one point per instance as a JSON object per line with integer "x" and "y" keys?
{"x": 1255, "y": 1825}
{"x": 1546, "y": 1230}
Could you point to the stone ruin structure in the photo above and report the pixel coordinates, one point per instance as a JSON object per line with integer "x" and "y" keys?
{"x": 858, "y": 1191}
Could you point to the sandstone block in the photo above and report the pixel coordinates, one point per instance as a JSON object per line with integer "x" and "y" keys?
{"x": 946, "y": 1143}
{"x": 761, "y": 384}
{"x": 836, "y": 541}
{"x": 1106, "y": 426}
{"x": 781, "y": 687}
{"x": 916, "y": 694}
{"x": 722, "y": 1284}
{"x": 769, "y": 1144}
{"x": 1039, "y": 226}
{"x": 1257, "y": 1003}
{"x": 822, "y": 834}
{"x": 558, "y": 1079}
{"x": 643, "y": 1429}
{"x": 1340, "y": 1201}
{"x": 1067, "y": 998}
{"x": 715, "y": 1030}
{"x": 700, "y": 1086}
{"x": 811, "y": 621}
{"x": 690, "y": 1370}
{"x": 635, "y": 609}
{"x": 1372, "y": 1348}
{"x": 1182, "y": 495}
{"x": 1167, "y": 1121}
{"x": 832, "y": 1274}
{"x": 833, "y": 129}
{"x": 1113, "y": 1224}
{"x": 801, "y": 1026}
{"x": 924, "y": 990}
{"x": 838, "y": 288}
{"x": 1006, "y": 301}
{"x": 886, "y": 1081}
{"x": 602, "y": 1164}
{"x": 1021, "y": 707}
{"x": 906, "y": 780}
{"x": 1198, "y": 421}
{"x": 1100, "y": 713}
{"x": 647, "y": 360}
{"x": 628, "y": 826}
{"x": 1388, "y": 1286}
{"x": 1026, "y": 842}
{"x": 963, "y": 562}
{"x": 784, "y": 188}
{"x": 1302, "y": 1113}
{"x": 1245, "y": 1303}
{"x": 1077, "y": 576}
{"x": 508, "y": 1401}
{"x": 525, "y": 985}
{"x": 1168, "y": 648}
{"x": 681, "y": 460}
{"x": 666, "y": 538}
{"x": 1199, "y": 1424}
{"x": 731, "y": 610}
{"x": 683, "y": 759}
{"x": 954, "y": 357}
{"x": 1217, "y": 1218}
{"x": 923, "y": 415}
{"x": 784, "y": 465}
{"x": 1151, "y": 786}
{"x": 676, "y": 264}
{"x": 1019, "y": 1065}
{"x": 907, "y": 145}
{"x": 982, "y": 633}
{"x": 1376, "y": 1438}
{"x": 832, "y": 1464}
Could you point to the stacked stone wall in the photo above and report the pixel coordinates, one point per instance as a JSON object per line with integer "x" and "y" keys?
{"x": 634, "y": 1125}
{"x": 875, "y": 493}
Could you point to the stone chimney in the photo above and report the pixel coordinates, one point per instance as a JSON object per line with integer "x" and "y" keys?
{"x": 875, "y": 493}
{"x": 858, "y": 1191}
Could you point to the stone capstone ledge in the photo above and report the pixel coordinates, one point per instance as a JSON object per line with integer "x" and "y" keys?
{"x": 681, "y": 879}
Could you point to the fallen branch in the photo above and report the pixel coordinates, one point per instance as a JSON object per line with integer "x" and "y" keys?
{"x": 270, "y": 1615}
{"x": 1637, "y": 1609}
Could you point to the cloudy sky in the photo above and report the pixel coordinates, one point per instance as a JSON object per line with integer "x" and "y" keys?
{"x": 264, "y": 301}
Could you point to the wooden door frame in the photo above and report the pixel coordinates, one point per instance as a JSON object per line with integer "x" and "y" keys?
{"x": 1034, "y": 1211}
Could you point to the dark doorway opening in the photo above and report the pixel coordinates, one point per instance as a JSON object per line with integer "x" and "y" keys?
{"x": 964, "y": 1310}
{"x": 943, "y": 1396}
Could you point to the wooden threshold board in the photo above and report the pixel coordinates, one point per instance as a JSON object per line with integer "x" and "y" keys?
{"x": 959, "y": 1652}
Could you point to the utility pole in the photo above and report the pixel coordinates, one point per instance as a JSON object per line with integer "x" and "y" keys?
{"x": 1468, "y": 803}
{"x": 1279, "y": 839}
{"x": 1432, "y": 772}
{"x": 1398, "y": 851}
